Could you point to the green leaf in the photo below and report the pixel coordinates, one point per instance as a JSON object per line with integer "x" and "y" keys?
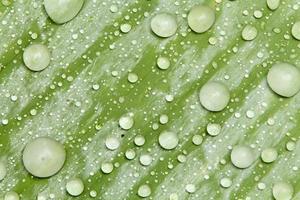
{"x": 90, "y": 50}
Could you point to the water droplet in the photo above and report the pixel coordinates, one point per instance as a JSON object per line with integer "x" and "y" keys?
{"x": 13, "y": 98}
{"x": 93, "y": 193}
{"x": 169, "y": 98}
{"x": 173, "y": 196}
{"x": 112, "y": 143}
{"x": 139, "y": 140}
{"x": 242, "y": 156}
{"x": 190, "y": 188}
{"x": 258, "y": 14}
{"x": 163, "y": 63}
{"x": 33, "y": 112}
{"x": 126, "y": 122}
{"x": 145, "y": 159}
{"x": 225, "y": 182}
{"x": 36, "y": 57}
{"x": 75, "y": 187}
{"x": 41, "y": 197}
{"x": 96, "y": 87}
{"x": 284, "y": 79}
{"x": 113, "y": 8}
{"x": 197, "y": 140}
{"x": 296, "y": 30}
{"x": 250, "y": 114}
{"x": 125, "y": 28}
{"x": 261, "y": 186}
{"x": 132, "y": 78}
{"x": 181, "y": 158}
{"x": 201, "y": 18}
{"x": 43, "y": 157}
{"x": 282, "y": 191}
{"x": 4, "y": 121}
{"x": 213, "y": 129}
{"x": 163, "y": 119}
{"x": 249, "y": 33}
{"x": 107, "y": 167}
{"x": 168, "y": 140}
{"x": 144, "y": 191}
{"x": 130, "y": 154}
{"x": 62, "y": 11}
{"x": 12, "y": 195}
{"x": 269, "y": 155}
{"x": 273, "y": 4}
{"x": 214, "y": 96}
{"x": 290, "y": 146}
{"x": 164, "y": 25}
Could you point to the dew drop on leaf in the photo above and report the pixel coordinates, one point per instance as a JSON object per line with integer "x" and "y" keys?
{"x": 126, "y": 122}
{"x": 139, "y": 140}
{"x": 201, "y": 18}
{"x": 163, "y": 119}
{"x": 113, "y": 8}
{"x": 197, "y": 140}
{"x": 249, "y": 33}
{"x": 242, "y": 156}
{"x": 296, "y": 30}
{"x": 12, "y": 195}
{"x": 144, "y": 191}
{"x": 132, "y": 77}
{"x": 261, "y": 186}
{"x": 125, "y": 28}
{"x": 75, "y": 187}
{"x": 112, "y": 143}
{"x": 225, "y": 182}
{"x": 290, "y": 145}
{"x": 36, "y": 57}
{"x": 62, "y": 11}
{"x": 164, "y": 25}
{"x": 282, "y": 191}
{"x": 214, "y": 96}
{"x": 273, "y": 4}
{"x": 284, "y": 79}
{"x": 163, "y": 63}
{"x": 107, "y": 167}
{"x": 213, "y": 129}
{"x": 43, "y": 157}
{"x": 190, "y": 188}
{"x": 269, "y": 155}
{"x": 168, "y": 140}
{"x": 145, "y": 159}
{"x": 130, "y": 154}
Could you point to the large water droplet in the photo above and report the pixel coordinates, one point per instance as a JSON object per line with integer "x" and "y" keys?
{"x": 62, "y": 11}
{"x": 201, "y": 18}
{"x": 36, "y": 57}
{"x": 214, "y": 96}
{"x": 282, "y": 191}
{"x": 269, "y": 155}
{"x": 168, "y": 140}
{"x": 296, "y": 30}
{"x": 273, "y": 4}
{"x": 242, "y": 156}
{"x": 144, "y": 191}
{"x": 75, "y": 187}
{"x": 164, "y": 25}
{"x": 284, "y": 79}
{"x": 43, "y": 157}
{"x": 249, "y": 33}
